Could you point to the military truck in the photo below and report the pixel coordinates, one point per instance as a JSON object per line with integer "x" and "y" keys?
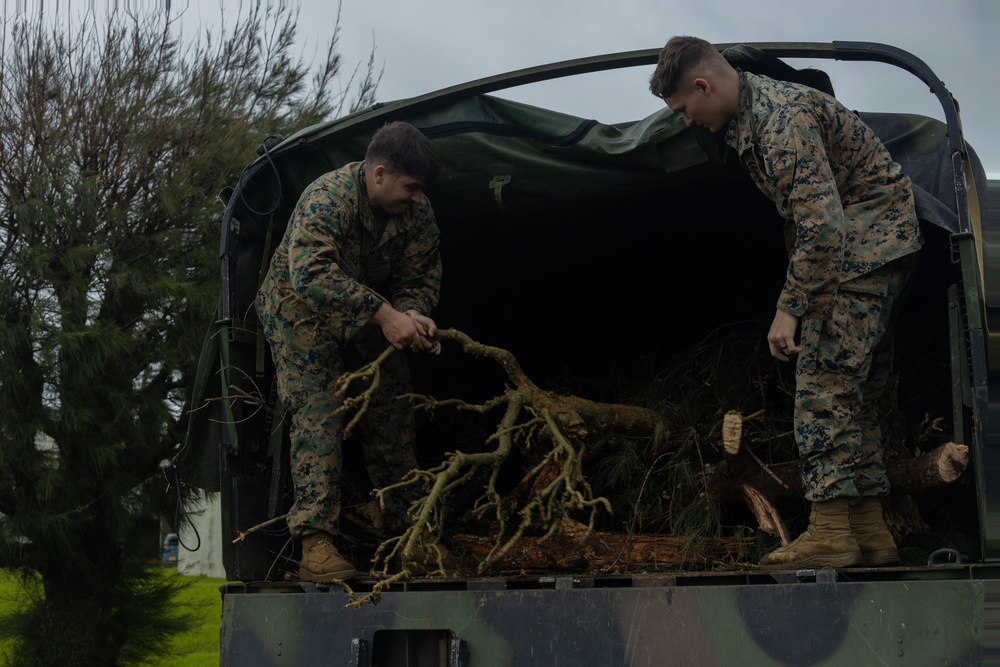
{"x": 649, "y": 234}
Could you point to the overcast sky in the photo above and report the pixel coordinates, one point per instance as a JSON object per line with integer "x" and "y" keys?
{"x": 426, "y": 45}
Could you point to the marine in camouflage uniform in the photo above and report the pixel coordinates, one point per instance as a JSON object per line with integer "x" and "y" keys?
{"x": 348, "y": 261}
{"x": 852, "y": 236}
{"x": 850, "y": 222}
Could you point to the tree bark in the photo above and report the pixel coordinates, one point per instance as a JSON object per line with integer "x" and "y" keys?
{"x": 577, "y": 416}
{"x": 572, "y": 549}
{"x": 767, "y": 515}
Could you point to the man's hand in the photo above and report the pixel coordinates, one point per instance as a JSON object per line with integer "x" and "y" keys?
{"x": 410, "y": 329}
{"x": 427, "y": 341}
{"x": 781, "y": 337}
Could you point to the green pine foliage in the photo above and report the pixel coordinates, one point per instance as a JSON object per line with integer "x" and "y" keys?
{"x": 115, "y": 138}
{"x": 657, "y": 486}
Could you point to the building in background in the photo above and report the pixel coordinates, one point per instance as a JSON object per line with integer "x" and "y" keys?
{"x": 199, "y": 550}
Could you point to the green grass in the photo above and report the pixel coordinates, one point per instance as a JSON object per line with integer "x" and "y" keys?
{"x": 199, "y": 647}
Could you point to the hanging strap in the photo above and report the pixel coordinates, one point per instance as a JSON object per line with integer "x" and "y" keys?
{"x": 265, "y": 263}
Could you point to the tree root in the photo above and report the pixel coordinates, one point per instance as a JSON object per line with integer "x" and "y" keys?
{"x": 532, "y": 418}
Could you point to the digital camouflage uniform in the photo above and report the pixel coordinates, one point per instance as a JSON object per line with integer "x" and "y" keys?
{"x": 326, "y": 280}
{"x": 851, "y": 231}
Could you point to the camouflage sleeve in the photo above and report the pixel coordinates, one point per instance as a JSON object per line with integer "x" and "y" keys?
{"x": 318, "y": 276}
{"x": 417, "y": 279}
{"x": 803, "y": 176}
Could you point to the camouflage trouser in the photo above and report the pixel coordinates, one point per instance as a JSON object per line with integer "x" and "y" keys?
{"x": 842, "y": 371}
{"x": 305, "y": 385}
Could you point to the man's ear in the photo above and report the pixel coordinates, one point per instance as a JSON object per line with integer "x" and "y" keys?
{"x": 378, "y": 173}
{"x": 704, "y": 85}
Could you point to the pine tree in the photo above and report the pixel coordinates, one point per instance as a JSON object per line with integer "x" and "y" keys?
{"x": 116, "y": 135}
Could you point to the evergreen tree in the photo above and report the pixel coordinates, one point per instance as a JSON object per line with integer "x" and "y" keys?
{"x": 116, "y": 135}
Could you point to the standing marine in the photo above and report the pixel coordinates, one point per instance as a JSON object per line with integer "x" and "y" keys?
{"x": 852, "y": 237}
{"x": 358, "y": 269}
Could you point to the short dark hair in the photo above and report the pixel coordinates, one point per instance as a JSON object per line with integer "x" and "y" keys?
{"x": 403, "y": 149}
{"x": 678, "y": 60}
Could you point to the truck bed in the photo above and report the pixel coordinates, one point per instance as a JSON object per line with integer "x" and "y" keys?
{"x": 889, "y": 616}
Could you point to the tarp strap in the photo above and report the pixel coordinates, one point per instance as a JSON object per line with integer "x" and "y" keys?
{"x": 225, "y": 330}
{"x": 275, "y": 442}
{"x": 265, "y": 263}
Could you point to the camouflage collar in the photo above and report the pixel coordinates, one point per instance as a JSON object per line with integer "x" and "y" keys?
{"x": 364, "y": 206}
{"x": 742, "y": 131}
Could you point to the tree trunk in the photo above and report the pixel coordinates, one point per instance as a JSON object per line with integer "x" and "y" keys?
{"x": 937, "y": 468}
{"x": 572, "y": 549}
{"x": 73, "y": 626}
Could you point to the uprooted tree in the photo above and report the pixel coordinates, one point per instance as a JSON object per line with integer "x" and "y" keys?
{"x": 671, "y": 465}
{"x": 555, "y": 426}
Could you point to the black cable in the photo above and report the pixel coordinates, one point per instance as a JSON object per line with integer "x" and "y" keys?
{"x": 180, "y": 513}
{"x": 265, "y": 151}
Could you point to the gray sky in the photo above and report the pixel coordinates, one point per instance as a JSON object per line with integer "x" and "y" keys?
{"x": 426, "y": 45}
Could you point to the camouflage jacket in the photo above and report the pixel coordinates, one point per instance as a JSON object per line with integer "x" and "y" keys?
{"x": 329, "y": 273}
{"x": 847, "y": 205}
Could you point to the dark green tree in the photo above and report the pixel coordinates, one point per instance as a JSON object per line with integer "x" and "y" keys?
{"x": 116, "y": 135}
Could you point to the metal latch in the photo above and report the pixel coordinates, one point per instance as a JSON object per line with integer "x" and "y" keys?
{"x": 497, "y": 185}
{"x": 946, "y": 556}
{"x": 359, "y": 653}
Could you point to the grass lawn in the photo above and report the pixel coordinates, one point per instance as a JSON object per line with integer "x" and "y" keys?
{"x": 198, "y": 647}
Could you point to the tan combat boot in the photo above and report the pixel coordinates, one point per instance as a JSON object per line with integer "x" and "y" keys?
{"x": 873, "y": 536}
{"x": 322, "y": 562}
{"x": 827, "y": 542}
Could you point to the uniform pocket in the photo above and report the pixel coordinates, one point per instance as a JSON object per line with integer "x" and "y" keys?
{"x": 381, "y": 263}
{"x": 379, "y": 270}
{"x": 845, "y": 341}
{"x": 299, "y": 335}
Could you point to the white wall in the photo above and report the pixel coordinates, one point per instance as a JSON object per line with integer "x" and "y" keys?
{"x": 207, "y": 560}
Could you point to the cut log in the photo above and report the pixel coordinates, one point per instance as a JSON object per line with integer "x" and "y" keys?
{"x": 937, "y": 468}
{"x": 572, "y": 549}
{"x": 732, "y": 432}
{"x": 725, "y": 480}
